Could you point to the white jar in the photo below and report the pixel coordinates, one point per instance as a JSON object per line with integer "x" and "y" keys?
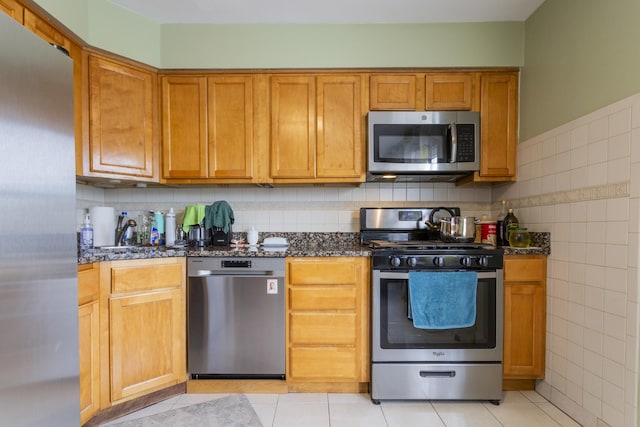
{"x": 252, "y": 236}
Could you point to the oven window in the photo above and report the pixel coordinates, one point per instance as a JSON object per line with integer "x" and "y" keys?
{"x": 397, "y": 330}
{"x": 411, "y": 144}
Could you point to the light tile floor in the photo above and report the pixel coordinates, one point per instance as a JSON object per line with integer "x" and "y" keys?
{"x": 518, "y": 409}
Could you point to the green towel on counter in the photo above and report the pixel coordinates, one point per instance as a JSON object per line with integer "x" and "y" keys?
{"x": 220, "y": 215}
{"x": 193, "y": 214}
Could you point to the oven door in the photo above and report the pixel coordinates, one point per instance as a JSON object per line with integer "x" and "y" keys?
{"x": 395, "y": 339}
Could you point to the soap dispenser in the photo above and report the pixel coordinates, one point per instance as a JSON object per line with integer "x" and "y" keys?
{"x": 86, "y": 234}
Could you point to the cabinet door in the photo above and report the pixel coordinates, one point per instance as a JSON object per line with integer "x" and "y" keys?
{"x": 122, "y": 139}
{"x": 13, "y": 9}
{"x": 340, "y": 122}
{"x": 147, "y": 342}
{"x": 293, "y": 126}
{"x": 184, "y": 127}
{"x": 89, "y": 339}
{"x": 89, "y": 357}
{"x": 230, "y": 126}
{"x": 499, "y": 125}
{"x": 392, "y": 92}
{"x": 524, "y": 318}
{"x": 523, "y": 331}
{"x": 449, "y": 91}
{"x": 45, "y": 30}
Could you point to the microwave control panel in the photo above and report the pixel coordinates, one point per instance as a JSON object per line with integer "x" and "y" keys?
{"x": 466, "y": 143}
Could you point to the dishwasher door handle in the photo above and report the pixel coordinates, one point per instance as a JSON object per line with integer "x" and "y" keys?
{"x": 205, "y": 273}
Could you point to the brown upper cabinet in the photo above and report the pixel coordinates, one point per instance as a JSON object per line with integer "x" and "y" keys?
{"x": 493, "y": 93}
{"x": 122, "y": 138}
{"x": 423, "y": 91}
{"x": 45, "y": 30}
{"x": 450, "y": 91}
{"x": 317, "y": 128}
{"x": 393, "y": 92}
{"x": 13, "y": 9}
{"x": 499, "y": 126}
{"x": 184, "y": 127}
{"x": 209, "y": 131}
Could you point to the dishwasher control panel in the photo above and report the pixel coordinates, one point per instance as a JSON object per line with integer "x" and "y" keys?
{"x": 226, "y": 263}
{"x": 228, "y": 266}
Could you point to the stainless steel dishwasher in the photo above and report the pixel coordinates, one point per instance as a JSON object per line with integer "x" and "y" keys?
{"x": 236, "y": 317}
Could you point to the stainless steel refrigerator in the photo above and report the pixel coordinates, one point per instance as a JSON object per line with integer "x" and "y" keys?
{"x": 38, "y": 255}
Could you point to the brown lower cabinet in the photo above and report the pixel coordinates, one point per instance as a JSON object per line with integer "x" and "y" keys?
{"x": 132, "y": 327}
{"x": 327, "y": 334}
{"x": 89, "y": 339}
{"x": 524, "y": 320}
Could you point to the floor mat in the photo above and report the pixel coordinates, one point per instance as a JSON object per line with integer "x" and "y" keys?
{"x": 232, "y": 411}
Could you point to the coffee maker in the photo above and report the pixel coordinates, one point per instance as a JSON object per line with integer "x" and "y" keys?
{"x": 198, "y": 235}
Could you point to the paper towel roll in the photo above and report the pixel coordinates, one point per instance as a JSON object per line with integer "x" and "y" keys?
{"x": 103, "y": 220}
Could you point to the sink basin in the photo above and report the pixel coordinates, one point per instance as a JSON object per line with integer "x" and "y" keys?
{"x": 117, "y": 247}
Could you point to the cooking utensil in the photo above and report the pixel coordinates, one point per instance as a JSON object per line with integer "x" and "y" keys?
{"x": 458, "y": 229}
{"x": 432, "y": 223}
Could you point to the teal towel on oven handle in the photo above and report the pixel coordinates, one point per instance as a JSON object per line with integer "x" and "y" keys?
{"x": 443, "y": 300}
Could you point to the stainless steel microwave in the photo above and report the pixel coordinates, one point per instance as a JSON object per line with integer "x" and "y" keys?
{"x": 422, "y": 145}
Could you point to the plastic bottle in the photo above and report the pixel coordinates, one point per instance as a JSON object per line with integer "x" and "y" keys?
{"x": 500, "y": 238}
{"x": 154, "y": 236}
{"x": 170, "y": 228}
{"x": 158, "y": 218}
{"x": 510, "y": 224}
{"x": 86, "y": 234}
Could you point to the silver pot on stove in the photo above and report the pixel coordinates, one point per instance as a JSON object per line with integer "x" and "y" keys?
{"x": 458, "y": 229}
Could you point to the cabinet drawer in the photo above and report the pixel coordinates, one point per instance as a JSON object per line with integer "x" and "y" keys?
{"x": 325, "y": 298}
{"x": 322, "y": 364}
{"x": 322, "y": 328}
{"x": 88, "y": 283}
{"x": 524, "y": 268}
{"x": 330, "y": 272}
{"x": 127, "y": 279}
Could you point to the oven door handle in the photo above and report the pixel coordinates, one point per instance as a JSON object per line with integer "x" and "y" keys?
{"x": 437, "y": 374}
{"x": 405, "y": 275}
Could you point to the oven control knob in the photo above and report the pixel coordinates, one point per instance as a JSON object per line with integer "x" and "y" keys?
{"x": 483, "y": 261}
{"x": 438, "y": 261}
{"x": 412, "y": 261}
{"x": 395, "y": 261}
{"x": 465, "y": 261}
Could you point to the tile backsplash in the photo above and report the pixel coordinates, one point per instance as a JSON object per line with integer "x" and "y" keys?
{"x": 581, "y": 182}
{"x": 291, "y": 208}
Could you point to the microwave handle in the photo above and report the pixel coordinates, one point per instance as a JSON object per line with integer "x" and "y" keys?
{"x": 454, "y": 141}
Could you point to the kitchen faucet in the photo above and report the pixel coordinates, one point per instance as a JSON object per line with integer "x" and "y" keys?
{"x": 121, "y": 229}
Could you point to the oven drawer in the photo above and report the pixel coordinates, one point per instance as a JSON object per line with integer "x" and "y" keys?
{"x": 465, "y": 381}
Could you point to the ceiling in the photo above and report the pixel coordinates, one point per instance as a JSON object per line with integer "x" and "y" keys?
{"x": 330, "y": 11}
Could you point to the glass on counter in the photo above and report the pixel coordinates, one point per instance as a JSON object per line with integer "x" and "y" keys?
{"x": 519, "y": 238}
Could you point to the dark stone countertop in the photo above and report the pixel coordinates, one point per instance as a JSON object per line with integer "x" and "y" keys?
{"x": 540, "y": 245}
{"x": 300, "y": 245}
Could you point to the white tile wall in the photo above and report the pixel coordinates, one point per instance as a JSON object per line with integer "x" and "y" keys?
{"x": 581, "y": 182}
{"x": 289, "y": 209}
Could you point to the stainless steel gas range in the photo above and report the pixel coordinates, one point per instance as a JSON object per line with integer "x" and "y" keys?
{"x": 437, "y": 311}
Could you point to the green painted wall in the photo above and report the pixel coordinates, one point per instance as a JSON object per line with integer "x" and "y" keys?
{"x": 110, "y": 27}
{"x": 326, "y": 46}
{"x": 120, "y": 31}
{"x": 73, "y": 14}
{"x": 104, "y": 25}
{"x": 579, "y": 56}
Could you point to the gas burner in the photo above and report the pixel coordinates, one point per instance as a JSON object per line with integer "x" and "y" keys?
{"x": 426, "y": 245}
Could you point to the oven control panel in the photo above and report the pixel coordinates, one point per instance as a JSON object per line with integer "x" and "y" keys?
{"x": 471, "y": 261}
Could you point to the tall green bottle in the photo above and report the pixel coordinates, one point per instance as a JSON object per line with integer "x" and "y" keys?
{"x": 510, "y": 223}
